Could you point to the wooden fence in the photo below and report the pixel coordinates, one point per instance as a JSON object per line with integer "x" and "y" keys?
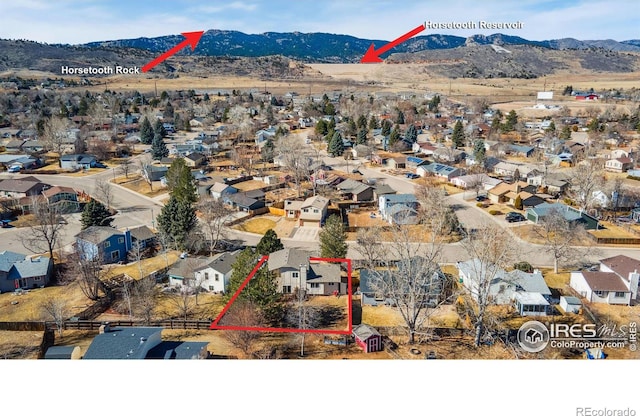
{"x": 277, "y": 211}
{"x": 92, "y": 325}
{"x": 620, "y": 241}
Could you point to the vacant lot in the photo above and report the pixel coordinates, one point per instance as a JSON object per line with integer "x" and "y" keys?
{"x": 257, "y": 225}
{"x": 141, "y": 186}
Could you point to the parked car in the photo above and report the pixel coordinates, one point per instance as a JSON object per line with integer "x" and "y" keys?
{"x": 481, "y": 198}
{"x": 412, "y": 176}
{"x": 515, "y": 217}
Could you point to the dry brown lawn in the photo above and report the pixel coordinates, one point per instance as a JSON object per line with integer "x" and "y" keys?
{"x": 20, "y": 344}
{"x": 558, "y": 280}
{"x": 142, "y": 187}
{"x": 148, "y": 266}
{"x": 249, "y": 185}
{"x": 29, "y": 304}
{"x": 612, "y": 231}
{"x": 256, "y": 225}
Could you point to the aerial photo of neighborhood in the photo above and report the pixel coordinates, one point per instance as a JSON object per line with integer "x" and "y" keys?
{"x": 237, "y": 181}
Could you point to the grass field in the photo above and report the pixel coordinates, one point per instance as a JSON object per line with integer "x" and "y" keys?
{"x": 140, "y": 186}
{"x": 147, "y": 265}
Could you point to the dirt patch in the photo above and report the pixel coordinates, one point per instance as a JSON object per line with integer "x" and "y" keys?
{"x": 249, "y": 185}
{"x": 20, "y": 344}
{"x": 142, "y": 187}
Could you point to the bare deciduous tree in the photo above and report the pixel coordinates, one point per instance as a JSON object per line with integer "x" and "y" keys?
{"x": 86, "y": 266}
{"x": 560, "y": 236}
{"x": 126, "y": 166}
{"x": 243, "y": 314}
{"x": 586, "y": 177}
{"x": 144, "y": 299}
{"x": 104, "y": 192}
{"x": 57, "y": 309}
{"x": 294, "y": 159}
{"x": 47, "y": 227}
{"x": 214, "y": 214}
{"x": 55, "y": 133}
{"x": 494, "y": 251}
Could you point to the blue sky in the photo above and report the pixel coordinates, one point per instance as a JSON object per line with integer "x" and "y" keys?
{"x": 79, "y": 21}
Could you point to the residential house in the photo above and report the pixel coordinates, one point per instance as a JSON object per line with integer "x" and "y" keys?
{"x": 398, "y": 208}
{"x": 615, "y": 283}
{"x": 370, "y": 296}
{"x": 571, "y": 214}
{"x": 617, "y": 153}
{"x": 143, "y": 236}
{"x": 222, "y": 190}
{"x": 194, "y": 159}
{"x": 13, "y": 146}
{"x": 243, "y": 203}
{"x": 24, "y": 163}
{"x": 425, "y": 149}
{"x": 509, "y": 169}
{"x": 108, "y": 244}
{"x": 528, "y": 292}
{"x": 382, "y": 189}
{"x": 479, "y": 180}
{"x": 82, "y": 161}
{"x": 215, "y": 274}
{"x": 64, "y": 197}
{"x": 355, "y": 190}
{"x": 34, "y": 146}
{"x": 139, "y": 343}
{"x": 18, "y": 271}
{"x": 367, "y": 338}
{"x": 398, "y": 162}
{"x": 506, "y": 193}
{"x": 313, "y": 211}
{"x": 294, "y": 270}
{"x": 23, "y": 187}
{"x": 413, "y": 162}
{"x": 519, "y": 150}
{"x": 447, "y": 154}
{"x": 361, "y": 151}
{"x": 154, "y": 172}
{"x": 621, "y": 164}
{"x": 439, "y": 170}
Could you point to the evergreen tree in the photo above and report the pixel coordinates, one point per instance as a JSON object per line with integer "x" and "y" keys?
{"x": 434, "y": 103}
{"x": 333, "y": 238}
{"x": 373, "y": 123}
{"x": 511, "y": 121}
{"x": 331, "y": 125}
{"x": 351, "y": 127}
{"x": 412, "y": 134}
{"x": 362, "y": 136}
{"x": 400, "y": 118}
{"x": 262, "y": 289}
{"x": 321, "y": 127}
{"x": 517, "y": 204}
{"x": 386, "y": 127}
{"x": 206, "y": 97}
{"x": 95, "y": 213}
{"x": 158, "y": 128}
{"x": 180, "y": 182}
{"x": 146, "y": 131}
{"x": 394, "y": 136}
{"x": 552, "y": 127}
{"x": 268, "y": 150}
{"x": 479, "y": 151}
{"x": 158, "y": 147}
{"x": 565, "y": 134}
{"x": 336, "y": 146}
{"x": 269, "y": 243}
{"x": 362, "y": 122}
{"x": 458, "y": 135}
{"x": 176, "y": 219}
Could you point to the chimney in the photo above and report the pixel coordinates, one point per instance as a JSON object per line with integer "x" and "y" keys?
{"x": 517, "y": 187}
{"x": 142, "y": 340}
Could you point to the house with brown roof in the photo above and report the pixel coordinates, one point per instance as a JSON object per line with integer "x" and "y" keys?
{"x": 20, "y": 188}
{"x": 63, "y": 196}
{"x": 506, "y": 193}
{"x": 615, "y": 282}
{"x": 621, "y": 164}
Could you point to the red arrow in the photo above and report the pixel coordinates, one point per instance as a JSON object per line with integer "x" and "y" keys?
{"x": 192, "y": 38}
{"x": 373, "y": 56}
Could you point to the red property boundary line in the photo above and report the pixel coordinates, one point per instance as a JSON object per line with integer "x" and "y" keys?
{"x": 263, "y": 259}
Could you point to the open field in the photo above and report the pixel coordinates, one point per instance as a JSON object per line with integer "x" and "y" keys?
{"x": 140, "y": 186}
{"x": 258, "y": 225}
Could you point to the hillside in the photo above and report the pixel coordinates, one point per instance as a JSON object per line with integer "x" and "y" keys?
{"x": 517, "y": 61}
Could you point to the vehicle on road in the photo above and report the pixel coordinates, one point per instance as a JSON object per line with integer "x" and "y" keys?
{"x": 481, "y": 198}
{"x": 412, "y": 176}
{"x": 514, "y": 217}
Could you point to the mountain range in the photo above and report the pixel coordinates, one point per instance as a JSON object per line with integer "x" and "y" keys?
{"x": 325, "y": 47}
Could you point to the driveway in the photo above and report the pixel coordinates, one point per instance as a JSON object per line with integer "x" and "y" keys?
{"x": 305, "y": 234}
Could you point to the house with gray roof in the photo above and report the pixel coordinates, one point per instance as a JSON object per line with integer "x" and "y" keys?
{"x": 398, "y": 208}
{"x": 355, "y": 190}
{"x": 294, "y": 270}
{"x": 439, "y": 170}
{"x": 210, "y": 273}
{"x": 139, "y": 343}
{"x": 143, "y": 236}
{"x": 313, "y": 211}
{"x": 516, "y": 287}
{"x": 19, "y": 272}
{"x": 571, "y": 214}
{"x": 78, "y": 161}
{"x": 20, "y": 188}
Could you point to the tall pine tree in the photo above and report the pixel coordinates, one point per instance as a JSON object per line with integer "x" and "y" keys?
{"x": 95, "y": 213}
{"x": 176, "y": 219}
{"x": 458, "y": 135}
{"x": 180, "y": 181}
{"x": 146, "y": 131}
{"x": 336, "y": 146}
{"x": 362, "y": 136}
{"x": 412, "y": 134}
{"x": 158, "y": 147}
{"x": 269, "y": 243}
{"x": 158, "y": 128}
{"x": 333, "y": 238}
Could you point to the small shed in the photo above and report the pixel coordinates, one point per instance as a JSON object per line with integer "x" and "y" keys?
{"x": 61, "y": 352}
{"x": 368, "y": 338}
{"x": 570, "y": 304}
